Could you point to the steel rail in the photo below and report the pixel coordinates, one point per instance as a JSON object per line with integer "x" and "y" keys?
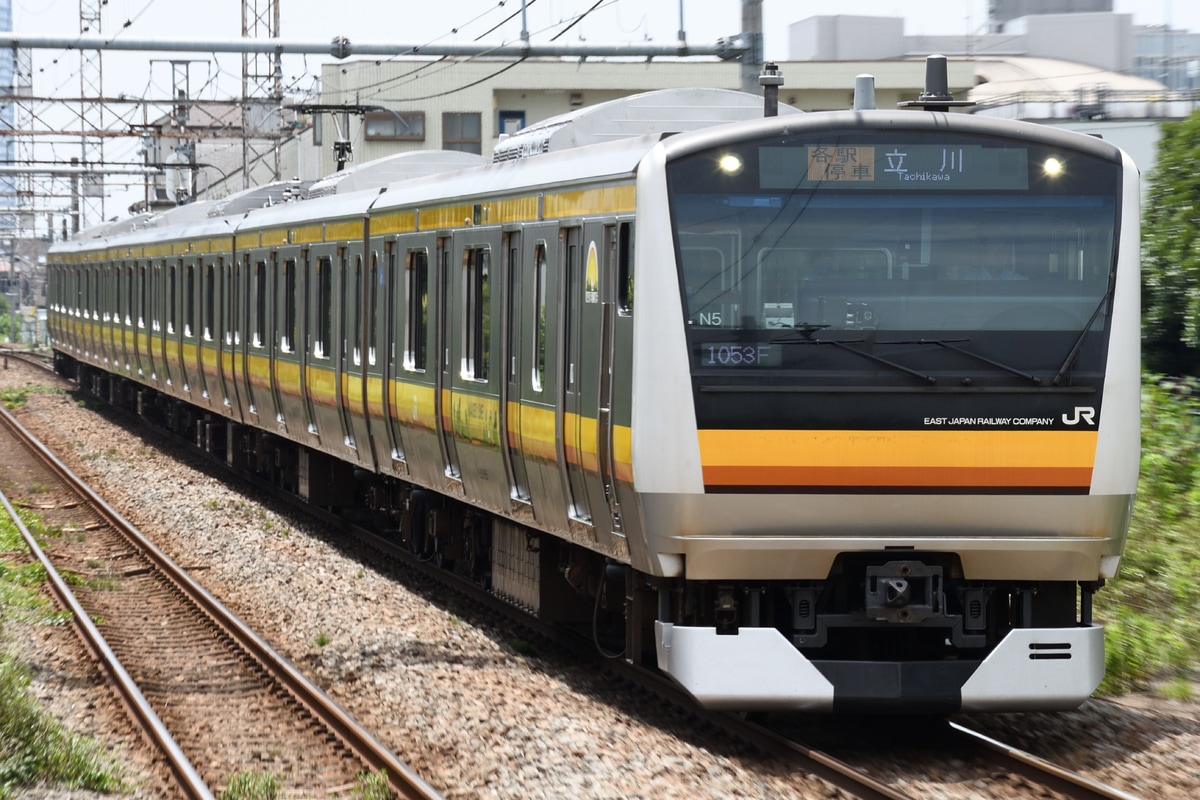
{"x": 401, "y": 777}
{"x": 1070, "y": 784}
{"x": 186, "y": 776}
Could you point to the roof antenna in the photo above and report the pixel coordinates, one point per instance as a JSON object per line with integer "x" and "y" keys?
{"x": 936, "y": 96}
{"x": 770, "y": 79}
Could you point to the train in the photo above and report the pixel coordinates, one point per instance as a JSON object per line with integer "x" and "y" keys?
{"x": 831, "y": 412}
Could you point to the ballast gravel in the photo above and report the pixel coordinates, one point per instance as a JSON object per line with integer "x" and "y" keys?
{"x": 457, "y": 695}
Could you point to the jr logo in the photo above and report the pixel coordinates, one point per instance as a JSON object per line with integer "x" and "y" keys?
{"x": 1085, "y": 413}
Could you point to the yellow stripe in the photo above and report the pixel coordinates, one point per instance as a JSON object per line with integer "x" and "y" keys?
{"x": 403, "y": 222}
{"x": 307, "y": 234}
{"x": 607, "y": 199}
{"x": 343, "y": 231}
{"x": 413, "y": 404}
{"x": 476, "y": 418}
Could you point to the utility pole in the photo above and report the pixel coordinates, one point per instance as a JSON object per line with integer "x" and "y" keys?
{"x": 752, "y": 57}
{"x": 262, "y": 90}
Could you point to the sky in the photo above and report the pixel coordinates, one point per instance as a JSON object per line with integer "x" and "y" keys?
{"x": 428, "y": 22}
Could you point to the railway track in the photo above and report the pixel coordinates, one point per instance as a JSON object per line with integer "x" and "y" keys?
{"x": 1008, "y": 769}
{"x": 204, "y": 688}
{"x": 999, "y": 770}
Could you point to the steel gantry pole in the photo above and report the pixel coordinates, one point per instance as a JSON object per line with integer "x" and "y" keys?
{"x": 91, "y": 117}
{"x": 262, "y": 91}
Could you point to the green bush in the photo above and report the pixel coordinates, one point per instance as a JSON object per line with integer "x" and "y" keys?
{"x": 1152, "y": 610}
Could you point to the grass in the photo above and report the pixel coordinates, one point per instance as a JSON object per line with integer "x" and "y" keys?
{"x": 16, "y": 396}
{"x": 251, "y": 786}
{"x": 265, "y": 786}
{"x": 34, "y": 747}
{"x": 1151, "y": 611}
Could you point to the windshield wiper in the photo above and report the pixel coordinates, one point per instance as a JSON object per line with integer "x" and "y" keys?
{"x": 807, "y": 331}
{"x": 1082, "y": 335}
{"x": 949, "y": 344}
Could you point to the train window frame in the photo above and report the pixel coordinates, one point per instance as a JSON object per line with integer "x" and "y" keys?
{"x": 171, "y": 280}
{"x": 189, "y": 300}
{"x": 376, "y": 280}
{"x": 258, "y": 327}
{"x": 352, "y": 312}
{"x": 288, "y": 298}
{"x": 625, "y": 268}
{"x": 143, "y": 295}
{"x": 208, "y": 290}
{"x": 416, "y": 304}
{"x": 394, "y": 126}
{"x": 105, "y": 286}
{"x": 130, "y": 292}
{"x": 537, "y": 378}
{"x": 476, "y": 314}
{"x": 323, "y": 309}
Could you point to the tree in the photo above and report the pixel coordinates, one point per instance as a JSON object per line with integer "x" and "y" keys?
{"x": 1170, "y": 255}
{"x": 5, "y": 318}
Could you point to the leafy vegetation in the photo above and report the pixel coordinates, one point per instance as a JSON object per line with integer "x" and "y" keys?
{"x": 1152, "y": 610}
{"x": 13, "y": 397}
{"x": 251, "y": 786}
{"x": 1171, "y": 252}
{"x": 16, "y": 396}
{"x": 34, "y": 747}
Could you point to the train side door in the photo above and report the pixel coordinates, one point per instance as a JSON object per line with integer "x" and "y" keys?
{"x": 445, "y": 373}
{"x": 207, "y": 333}
{"x": 228, "y": 357}
{"x": 573, "y": 416}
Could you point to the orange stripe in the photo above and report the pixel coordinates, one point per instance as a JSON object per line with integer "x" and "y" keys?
{"x": 898, "y": 458}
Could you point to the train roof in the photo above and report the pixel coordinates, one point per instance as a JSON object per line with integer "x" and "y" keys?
{"x": 896, "y": 119}
{"x": 663, "y": 112}
{"x": 390, "y": 169}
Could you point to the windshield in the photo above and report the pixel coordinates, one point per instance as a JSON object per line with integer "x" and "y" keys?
{"x": 886, "y": 236}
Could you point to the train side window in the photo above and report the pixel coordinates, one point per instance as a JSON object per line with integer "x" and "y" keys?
{"x": 144, "y": 295}
{"x": 417, "y": 310}
{"x": 376, "y": 280}
{"x": 209, "y": 301}
{"x": 169, "y": 298}
{"x": 324, "y": 307}
{"x": 476, "y": 314}
{"x": 130, "y": 288}
{"x": 189, "y": 300}
{"x": 287, "y": 341}
{"x": 103, "y": 286}
{"x": 228, "y": 292}
{"x": 260, "y": 304}
{"x": 352, "y": 333}
{"x": 625, "y": 268}
{"x": 539, "y": 303}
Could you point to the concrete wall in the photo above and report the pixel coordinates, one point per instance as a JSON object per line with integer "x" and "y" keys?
{"x": 1101, "y": 40}
{"x": 846, "y": 38}
{"x": 545, "y": 89}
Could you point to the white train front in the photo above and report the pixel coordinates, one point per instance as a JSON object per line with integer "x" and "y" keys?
{"x": 832, "y": 411}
